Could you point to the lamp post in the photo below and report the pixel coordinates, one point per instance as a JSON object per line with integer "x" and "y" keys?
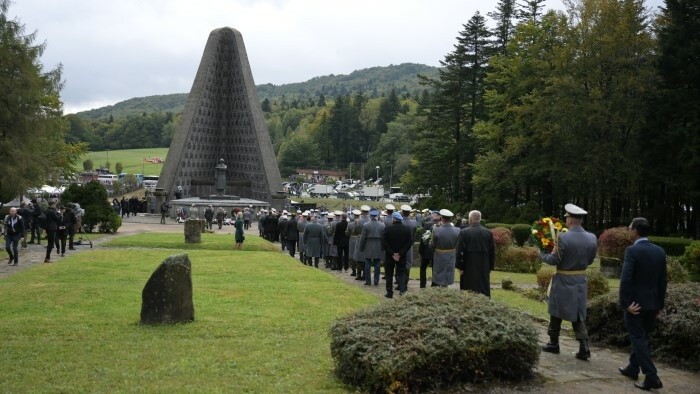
{"x": 377, "y": 179}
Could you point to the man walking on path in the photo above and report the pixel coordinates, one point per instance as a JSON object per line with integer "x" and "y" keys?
{"x": 14, "y": 232}
{"x": 573, "y": 253}
{"x": 642, "y": 294}
{"x": 370, "y": 246}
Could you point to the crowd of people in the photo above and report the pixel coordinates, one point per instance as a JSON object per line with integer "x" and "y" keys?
{"x": 56, "y": 223}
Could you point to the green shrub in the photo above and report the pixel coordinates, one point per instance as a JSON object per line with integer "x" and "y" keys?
{"x": 691, "y": 261}
{"x": 614, "y": 241}
{"x": 507, "y": 284}
{"x": 515, "y": 259}
{"x": 675, "y": 271}
{"x": 675, "y": 339}
{"x": 502, "y": 240}
{"x": 433, "y": 339}
{"x": 521, "y": 233}
{"x": 497, "y": 225}
{"x": 111, "y": 224}
{"x": 597, "y": 283}
{"x": 92, "y": 197}
{"x": 674, "y": 246}
{"x": 535, "y": 293}
{"x": 544, "y": 276}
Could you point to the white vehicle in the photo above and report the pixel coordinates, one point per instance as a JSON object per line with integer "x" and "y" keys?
{"x": 321, "y": 190}
{"x": 373, "y": 192}
{"x": 107, "y": 179}
{"x": 150, "y": 182}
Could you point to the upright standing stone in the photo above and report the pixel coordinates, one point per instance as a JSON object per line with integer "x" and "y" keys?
{"x": 222, "y": 119}
{"x": 193, "y": 231}
{"x": 167, "y": 296}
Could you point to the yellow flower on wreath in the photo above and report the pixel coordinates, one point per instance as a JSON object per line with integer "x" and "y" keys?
{"x": 558, "y": 226}
{"x": 547, "y": 220}
{"x": 545, "y": 242}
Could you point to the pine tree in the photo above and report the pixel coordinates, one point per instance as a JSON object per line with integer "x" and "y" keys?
{"x": 504, "y": 16}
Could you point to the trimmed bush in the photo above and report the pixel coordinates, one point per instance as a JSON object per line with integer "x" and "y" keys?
{"x": 597, "y": 283}
{"x": 507, "y": 284}
{"x": 497, "y": 225}
{"x": 515, "y": 259}
{"x": 614, "y": 241}
{"x": 544, "y": 276}
{"x": 521, "y": 233}
{"x": 675, "y": 339}
{"x": 433, "y": 339}
{"x": 502, "y": 240}
{"x": 691, "y": 261}
{"x": 674, "y": 246}
{"x": 675, "y": 271}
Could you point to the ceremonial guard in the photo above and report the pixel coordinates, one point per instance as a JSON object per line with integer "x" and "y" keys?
{"x": 371, "y": 246}
{"x": 359, "y": 256}
{"x": 425, "y": 249}
{"x": 282, "y": 230}
{"x": 352, "y": 240}
{"x": 292, "y": 234}
{"x": 328, "y": 247}
{"x": 412, "y": 225}
{"x": 573, "y": 252}
{"x": 444, "y": 243}
{"x": 314, "y": 238}
{"x": 301, "y": 226}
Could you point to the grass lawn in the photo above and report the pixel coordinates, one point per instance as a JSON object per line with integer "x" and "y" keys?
{"x": 131, "y": 159}
{"x": 261, "y": 324}
{"x": 216, "y": 241}
{"x": 515, "y": 300}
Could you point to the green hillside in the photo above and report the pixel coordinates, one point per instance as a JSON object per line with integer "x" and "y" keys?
{"x": 373, "y": 82}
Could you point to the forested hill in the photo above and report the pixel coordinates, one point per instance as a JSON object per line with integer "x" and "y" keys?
{"x": 373, "y": 82}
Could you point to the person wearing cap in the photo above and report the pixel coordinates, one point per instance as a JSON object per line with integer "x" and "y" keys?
{"x": 476, "y": 256}
{"x": 301, "y": 226}
{"x": 329, "y": 250}
{"x": 262, "y": 216}
{"x": 573, "y": 252}
{"x": 209, "y": 216}
{"x": 352, "y": 239}
{"x": 388, "y": 219}
{"x": 397, "y": 241}
{"x": 271, "y": 226}
{"x": 413, "y": 225}
{"x": 342, "y": 243}
{"x": 444, "y": 243}
{"x": 282, "y": 230}
{"x": 371, "y": 246}
{"x": 642, "y": 293}
{"x": 425, "y": 248}
{"x": 357, "y": 232}
{"x": 292, "y": 234}
{"x": 220, "y": 216}
{"x": 314, "y": 238}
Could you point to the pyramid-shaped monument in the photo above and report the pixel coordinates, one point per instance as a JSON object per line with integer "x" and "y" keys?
{"x": 222, "y": 119}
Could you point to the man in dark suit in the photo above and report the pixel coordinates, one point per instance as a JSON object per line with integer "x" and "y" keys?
{"x": 642, "y": 294}
{"x": 342, "y": 243}
{"x": 397, "y": 240}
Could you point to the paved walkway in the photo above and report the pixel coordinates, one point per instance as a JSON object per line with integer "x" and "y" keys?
{"x": 560, "y": 373}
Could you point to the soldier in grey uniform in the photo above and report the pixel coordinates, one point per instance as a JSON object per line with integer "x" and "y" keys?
{"x": 371, "y": 246}
{"x": 314, "y": 238}
{"x": 444, "y": 243}
{"x": 390, "y": 208}
{"x": 359, "y": 257}
{"x": 300, "y": 228}
{"x": 328, "y": 247}
{"x": 354, "y": 236}
{"x": 573, "y": 252}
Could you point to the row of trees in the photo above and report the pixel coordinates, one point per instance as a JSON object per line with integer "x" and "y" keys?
{"x": 597, "y": 105}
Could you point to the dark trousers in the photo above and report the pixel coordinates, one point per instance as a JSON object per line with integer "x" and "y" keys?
{"x": 283, "y": 242}
{"x": 246, "y": 224}
{"x": 424, "y": 263}
{"x": 639, "y": 327}
{"x": 11, "y": 246}
{"x": 554, "y": 328}
{"x": 308, "y": 261}
{"x": 400, "y": 266}
{"x": 71, "y": 235}
{"x": 36, "y": 231}
{"x": 292, "y": 247}
{"x": 61, "y": 236}
{"x": 343, "y": 257}
{"x": 50, "y": 241}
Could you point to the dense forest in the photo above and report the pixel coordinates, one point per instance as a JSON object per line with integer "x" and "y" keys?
{"x": 597, "y": 105}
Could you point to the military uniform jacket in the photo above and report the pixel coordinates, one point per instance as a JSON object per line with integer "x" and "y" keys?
{"x": 353, "y": 237}
{"x": 371, "y": 240}
{"x": 282, "y": 228}
{"x": 329, "y": 248}
{"x": 411, "y": 224}
{"x": 444, "y": 242}
{"x": 314, "y": 237}
{"x": 291, "y": 233}
{"x": 357, "y": 253}
{"x": 568, "y": 294}
{"x": 301, "y": 226}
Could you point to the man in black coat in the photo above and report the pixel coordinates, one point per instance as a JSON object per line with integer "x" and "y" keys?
{"x": 342, "y": 243}
{"x": 51, "y": 227}
{"x": 36, "y": 222}
{"x": 397, "y": 240}
{"x": 476, "y": 256}
{"x": 642, "y": 294}
{"x": 14, "y": 232}
{"x": 292, "y": 235}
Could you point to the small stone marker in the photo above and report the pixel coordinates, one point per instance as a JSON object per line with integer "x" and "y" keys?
{"x": 193, "y": 231}
{"x": 167, "y": 296}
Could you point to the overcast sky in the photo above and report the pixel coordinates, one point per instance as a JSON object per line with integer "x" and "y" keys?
{"x": 115, "y": 50}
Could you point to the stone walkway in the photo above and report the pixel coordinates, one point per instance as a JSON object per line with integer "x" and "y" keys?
{"x": 560, "y": 373}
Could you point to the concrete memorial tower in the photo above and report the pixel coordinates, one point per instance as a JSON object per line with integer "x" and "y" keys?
{"x": 222, "y": 120}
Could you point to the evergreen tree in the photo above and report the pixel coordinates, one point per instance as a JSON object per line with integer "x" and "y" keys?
{"x": 504, "y": 16}
{"x": 531, "y": 10}
{"x": 266, "y": 105}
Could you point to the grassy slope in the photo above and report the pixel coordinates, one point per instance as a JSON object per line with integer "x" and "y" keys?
{"x": 261, "y": 325}
{"x": 131, "y": 159}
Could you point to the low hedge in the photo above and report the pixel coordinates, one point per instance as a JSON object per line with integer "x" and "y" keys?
{"x": 613, "y": 242}
{"x": 497, "y": 225}
{"x": 675, "y": 339}
{"x": 516, "y": 259}
{"x": 434, "y": 338}
{"x": 691, "y": 261}
{"x": 674, "y": 246}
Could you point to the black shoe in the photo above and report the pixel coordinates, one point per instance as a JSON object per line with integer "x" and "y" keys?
{"x": 551, "y": 348}
{"x": 359, "y": 278}
{"x": 14, "y": 265}
{"x": 649, "y": 385}
{"x": 627, "y": 371}
{"x": 368, "y": 284}
{"x": 583, "y": 352}
{"x": 353, "y": 273}
{"x": 387, "y": 295}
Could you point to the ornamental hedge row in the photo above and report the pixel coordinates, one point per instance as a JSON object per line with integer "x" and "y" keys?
{"x": 432, "y": 339}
